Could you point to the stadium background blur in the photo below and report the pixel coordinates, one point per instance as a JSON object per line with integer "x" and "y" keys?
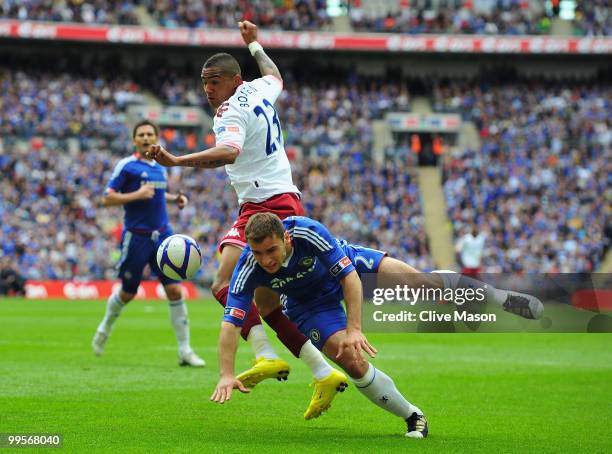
{"x": 397, "y": 150}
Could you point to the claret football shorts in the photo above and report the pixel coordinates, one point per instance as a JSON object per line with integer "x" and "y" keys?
{"x": 283, "y": 205}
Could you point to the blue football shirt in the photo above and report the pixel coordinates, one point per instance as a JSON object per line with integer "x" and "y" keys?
{"x": 128, "y": 175}
{"x": 309, "y": 277}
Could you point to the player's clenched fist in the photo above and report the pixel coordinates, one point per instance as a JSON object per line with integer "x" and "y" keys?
{"x": 182, "y": 201}
{"x": 223, "y": 391}
{"x": 248, "y": 30}
{"x": 146, "y": 191}
{"x": 161, "y": 155}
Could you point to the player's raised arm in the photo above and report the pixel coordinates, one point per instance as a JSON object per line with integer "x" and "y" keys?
{"x": 248, "y": 30}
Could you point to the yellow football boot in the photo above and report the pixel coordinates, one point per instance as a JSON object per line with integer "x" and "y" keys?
{"x": 324, "y": 392}
{"x": 263, "y": 369}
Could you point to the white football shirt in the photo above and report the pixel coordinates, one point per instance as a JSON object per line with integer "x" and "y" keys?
{"x": 248, "y": 121}
{"x": 471, "y": 248}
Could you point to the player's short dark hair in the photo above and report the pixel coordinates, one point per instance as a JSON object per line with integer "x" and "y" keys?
{"x": 225, "y": 62}
{"x": 263, "y": 225}
{"x": 145, "y": 123}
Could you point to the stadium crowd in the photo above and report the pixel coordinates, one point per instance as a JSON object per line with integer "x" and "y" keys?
{"x": 494, "y": 17}
{"x": 593, "y": 18}
{"x": 64, "y": 105}
{"x": 58, "y": 193}
{"x": 513, "y": 17}
{"x": 540, "y": 182}
{"x": 273, "y": 14}
{"x": 90, "y": 12}
{"x": 59, "y": 173}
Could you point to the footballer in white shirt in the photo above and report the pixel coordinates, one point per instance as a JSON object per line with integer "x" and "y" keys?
{"x": 249, "y": 143}
{"x": 470, "y": 248}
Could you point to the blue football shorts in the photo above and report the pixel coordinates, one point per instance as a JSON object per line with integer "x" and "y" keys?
{"x": 136, "y": 251}
{"x": 320, "y": 322}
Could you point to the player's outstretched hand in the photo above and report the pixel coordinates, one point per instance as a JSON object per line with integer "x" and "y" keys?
{"x": 355, "y": 341}
{"x": 223, "y": 391}
{"x": 248, "y": 30}
{"x": 162, "y": 156}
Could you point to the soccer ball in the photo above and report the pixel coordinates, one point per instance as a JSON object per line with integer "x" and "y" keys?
{"x": 179, "y": 257}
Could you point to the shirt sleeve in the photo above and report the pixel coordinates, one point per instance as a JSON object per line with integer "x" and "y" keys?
{"x": 118, "y": 178}
{"x": 241, "y": 291}
{"x": 230, "y": 126}
{"x": 325, "y": 247}
{"x": 270, "y": 87}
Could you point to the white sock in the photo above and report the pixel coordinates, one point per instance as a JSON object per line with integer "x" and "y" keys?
{"x": 315, "y": 361}
{"x": 380, "y": 389}
{"x": 260, "y": 343}
{"x": 180, "y": 322}
{"x": 455, "y": 280}
{"x": 114, "y": 305}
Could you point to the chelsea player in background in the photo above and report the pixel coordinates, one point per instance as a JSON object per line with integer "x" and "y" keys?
{"x": 140, "y": 185}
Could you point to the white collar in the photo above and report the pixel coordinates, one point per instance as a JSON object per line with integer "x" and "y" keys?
{"x": 285, "y": 264}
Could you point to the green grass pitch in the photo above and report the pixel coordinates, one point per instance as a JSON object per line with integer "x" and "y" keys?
{"x": 481, "y": 392}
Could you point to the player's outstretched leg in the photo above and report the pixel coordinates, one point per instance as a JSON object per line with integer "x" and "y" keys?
{"x": 521, "y": 304}
{"x": 180, "y": 323}
{"x": 380, "y": 389}
{"x": 397, "y": 272}
{"x": 377, "y": 386}
{"x": 114, "y": 306}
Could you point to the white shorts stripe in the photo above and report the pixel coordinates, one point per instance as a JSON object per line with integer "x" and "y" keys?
{"x": 124, "y": 249}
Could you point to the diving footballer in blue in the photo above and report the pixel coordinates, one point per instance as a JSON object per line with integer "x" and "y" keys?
{"x": 140, "y": 185}
{"x": 315, "y": 272}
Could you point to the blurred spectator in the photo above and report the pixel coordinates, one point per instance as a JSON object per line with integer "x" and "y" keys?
{"x": 470, "y": 248}
{"x": 11, "y": 281}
